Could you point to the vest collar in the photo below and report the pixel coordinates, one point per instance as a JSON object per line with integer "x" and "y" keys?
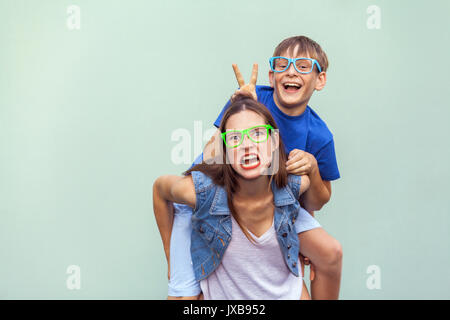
{"x": 281, "y": 197}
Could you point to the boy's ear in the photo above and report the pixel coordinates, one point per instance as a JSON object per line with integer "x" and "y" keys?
{"x": 321, "y": 81}
{"x": 271, "y": 78}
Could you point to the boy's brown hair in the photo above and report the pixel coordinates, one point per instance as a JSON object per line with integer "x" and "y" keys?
{"x": 306, "y": 46}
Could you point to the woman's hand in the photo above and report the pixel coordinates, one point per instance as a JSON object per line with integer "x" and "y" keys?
{"x": 248, "y": 89}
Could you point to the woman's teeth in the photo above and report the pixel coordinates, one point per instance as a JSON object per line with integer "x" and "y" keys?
{"x": 249, "y": 159}
{"x": 250, "y": 162}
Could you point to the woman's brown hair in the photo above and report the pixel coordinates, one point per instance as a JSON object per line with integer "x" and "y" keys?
{"x": 223, "y": 174}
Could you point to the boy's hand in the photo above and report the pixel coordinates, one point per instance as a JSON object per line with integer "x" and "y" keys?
{"x": 247, "y": 89}
{"x": 168, "y": 270}
{"x": 304, "y": 261}
{"x": 300, "y": 162}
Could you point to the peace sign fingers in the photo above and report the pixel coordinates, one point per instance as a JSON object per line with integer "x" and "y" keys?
{"x": 247, "y": 89}
{"x": 254, "y": 74}
{"x": 238, "y": 75}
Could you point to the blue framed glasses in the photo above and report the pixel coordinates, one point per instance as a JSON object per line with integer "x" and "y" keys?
{"x": 302, "y": 65}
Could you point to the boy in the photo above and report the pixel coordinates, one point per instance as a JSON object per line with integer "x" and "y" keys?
{"x": 298, "y": 68}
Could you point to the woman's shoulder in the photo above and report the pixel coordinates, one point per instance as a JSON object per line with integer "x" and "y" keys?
{"x": 202, "y": 182}
{"x": 208, "y": 194}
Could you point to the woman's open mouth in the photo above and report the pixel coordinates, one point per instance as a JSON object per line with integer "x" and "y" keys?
{"x": 250, "y": 161}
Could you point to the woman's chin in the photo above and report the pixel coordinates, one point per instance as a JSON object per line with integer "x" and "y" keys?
{"x": 250, "y": 175}
{"x": 251, "y": 172}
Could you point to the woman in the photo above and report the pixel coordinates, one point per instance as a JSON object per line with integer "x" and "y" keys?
{"x": 244, "y": 243}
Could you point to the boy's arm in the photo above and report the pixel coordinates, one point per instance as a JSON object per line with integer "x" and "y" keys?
{"x": 304, "y": 186}
{"x": 168, "y": 189}
{"x": 319, "y": 191}
{"x": 318, "y": 194}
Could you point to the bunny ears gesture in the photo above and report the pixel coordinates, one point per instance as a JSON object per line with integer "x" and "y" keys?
{"x": 248, "y": 89}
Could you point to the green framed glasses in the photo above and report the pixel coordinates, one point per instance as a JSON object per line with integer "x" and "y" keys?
{"x": 257, "y": 134}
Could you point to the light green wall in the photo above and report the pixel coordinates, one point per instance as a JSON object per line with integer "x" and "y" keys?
{"x": 86, "y": 118}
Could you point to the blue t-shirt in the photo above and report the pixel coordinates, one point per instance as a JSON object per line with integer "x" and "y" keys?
{"x": 305, "y": 132}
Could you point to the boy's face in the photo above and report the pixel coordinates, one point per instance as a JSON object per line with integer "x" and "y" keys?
{"x": 292, "y": 90}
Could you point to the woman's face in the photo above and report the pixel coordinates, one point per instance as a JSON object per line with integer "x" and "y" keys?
{"x": 250, "y": 159}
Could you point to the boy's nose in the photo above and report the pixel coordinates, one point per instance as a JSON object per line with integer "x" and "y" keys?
{"x": 291, "y": 69}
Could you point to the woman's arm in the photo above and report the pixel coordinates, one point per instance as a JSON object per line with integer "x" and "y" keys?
{"x": 168, "y": 189}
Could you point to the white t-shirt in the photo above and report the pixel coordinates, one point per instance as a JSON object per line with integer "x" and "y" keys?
{"x": 252, "y": 271}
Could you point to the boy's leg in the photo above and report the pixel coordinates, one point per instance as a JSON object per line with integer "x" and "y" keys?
{"x": 184, "y": 298}
{"x": 325, "y": 253}
{"x": 182, "y": 283}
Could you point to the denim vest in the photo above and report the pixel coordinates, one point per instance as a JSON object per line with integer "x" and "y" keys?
{"x": 211, "y": 224}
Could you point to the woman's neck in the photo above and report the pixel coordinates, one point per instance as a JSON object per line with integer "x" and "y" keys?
{"x": 254, "y": 204}
{"x": 254, "y": 188}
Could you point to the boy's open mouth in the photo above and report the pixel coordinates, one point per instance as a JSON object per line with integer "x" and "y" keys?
{"x": 249, "y": 161}
{"x": 291, "y": 86}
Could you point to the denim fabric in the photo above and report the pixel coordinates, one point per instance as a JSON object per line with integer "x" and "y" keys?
{"x": 211, "y": 224}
